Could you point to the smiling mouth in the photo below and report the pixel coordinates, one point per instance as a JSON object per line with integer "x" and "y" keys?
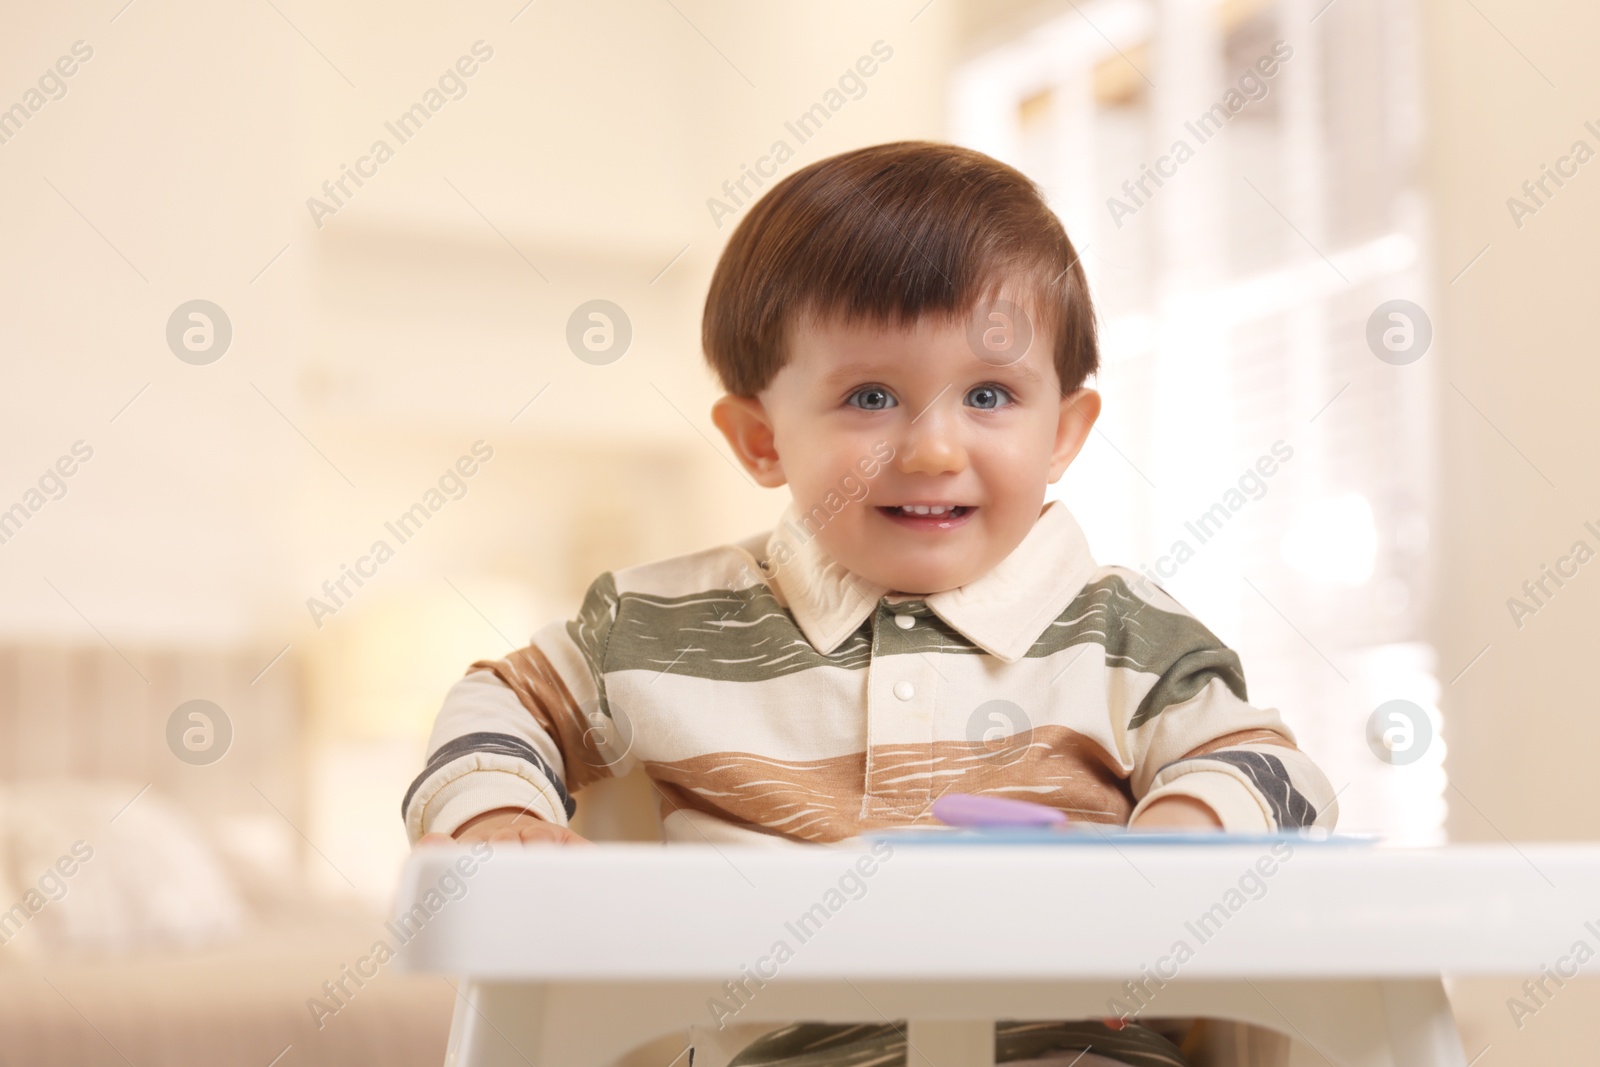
{"x": 938, "y": 511}
{"x": 929, "y": 516}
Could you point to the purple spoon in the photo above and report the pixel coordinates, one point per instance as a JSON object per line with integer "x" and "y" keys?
{"x": 971, "y": 810}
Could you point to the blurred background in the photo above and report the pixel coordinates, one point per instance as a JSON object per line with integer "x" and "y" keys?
{"x": 276, "y": 274}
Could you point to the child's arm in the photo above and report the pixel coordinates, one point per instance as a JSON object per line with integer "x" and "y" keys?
{"x": 1201, "y": 754}
{"x": 516, "y": 735}
{"x": 508, "y": 826}
{"x": 1177, "y": 813}
{"x": 1213, "y": 754}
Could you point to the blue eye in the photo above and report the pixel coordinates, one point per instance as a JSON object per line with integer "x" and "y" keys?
{"x": 988, "y": 397}
{"x": 872, "y": 398}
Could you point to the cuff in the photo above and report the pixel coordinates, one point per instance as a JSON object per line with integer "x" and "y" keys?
{"x": 1235, "y": 802}
{"x": 449, "y": 804}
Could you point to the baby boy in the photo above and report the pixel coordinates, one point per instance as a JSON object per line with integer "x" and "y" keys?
{"x": 904, "y": 334}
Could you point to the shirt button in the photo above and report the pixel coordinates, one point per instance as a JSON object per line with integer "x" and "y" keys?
{"x": 905, "y": 622}
{"x": 905, "y": 690}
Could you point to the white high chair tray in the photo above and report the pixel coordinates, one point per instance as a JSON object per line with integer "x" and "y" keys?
{"x": 644, "y": 911}
{"x": 574, "y": 956}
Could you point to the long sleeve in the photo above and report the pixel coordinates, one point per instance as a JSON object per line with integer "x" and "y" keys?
{"x": 1193, "y": 732}
{"x": 525, "y": 731}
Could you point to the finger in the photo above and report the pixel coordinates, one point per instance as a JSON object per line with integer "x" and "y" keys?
{"x": 435, "y": 839}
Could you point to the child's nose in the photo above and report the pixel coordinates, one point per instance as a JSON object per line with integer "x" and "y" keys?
{"x": 932, "y": 445}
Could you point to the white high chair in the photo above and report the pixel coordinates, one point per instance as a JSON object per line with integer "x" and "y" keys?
{"x": 592, "y": 957}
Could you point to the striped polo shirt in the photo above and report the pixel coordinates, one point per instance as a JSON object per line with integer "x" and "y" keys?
{"x": 771, "y": 695}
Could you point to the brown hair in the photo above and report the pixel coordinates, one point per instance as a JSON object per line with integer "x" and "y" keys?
{"x": 886, "y": 234}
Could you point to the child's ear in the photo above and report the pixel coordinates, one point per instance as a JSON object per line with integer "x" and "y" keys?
{"x": 743, "y": 421}
{"x": 1079, "y": 410}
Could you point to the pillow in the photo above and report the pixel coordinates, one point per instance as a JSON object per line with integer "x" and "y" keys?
{"x": 92, "y": 873}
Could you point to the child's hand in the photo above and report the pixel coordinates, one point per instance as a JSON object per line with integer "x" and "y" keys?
{"x": 1177, "y": 813}
{"x": 509, "y": 826}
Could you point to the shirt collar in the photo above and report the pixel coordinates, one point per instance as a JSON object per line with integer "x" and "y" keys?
{"x": 1002, "y": 612}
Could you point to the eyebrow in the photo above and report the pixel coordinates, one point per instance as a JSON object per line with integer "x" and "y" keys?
{"x": 852, "y": 374}
{"x": 1025, "y": 371}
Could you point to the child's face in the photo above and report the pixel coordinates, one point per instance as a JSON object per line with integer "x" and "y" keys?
{"x": 976, "y": 440}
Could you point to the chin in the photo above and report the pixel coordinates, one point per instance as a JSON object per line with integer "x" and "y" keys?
{"x": 924, "y": 581}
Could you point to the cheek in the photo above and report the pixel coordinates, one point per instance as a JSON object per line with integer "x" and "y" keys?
{"x": 821, "y": 463}
{"x": 1019, "y": 456}
{"x": 823, "y": 482}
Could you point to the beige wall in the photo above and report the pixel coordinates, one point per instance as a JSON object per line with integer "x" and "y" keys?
{"x": 418, "y": 318}
{"x": 1515, "y": 336}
